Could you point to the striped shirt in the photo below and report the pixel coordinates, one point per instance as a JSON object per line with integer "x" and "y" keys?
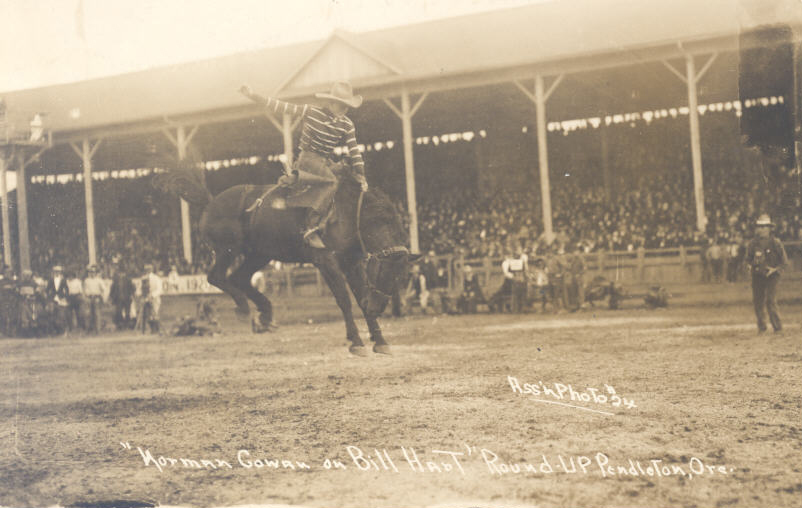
{"x": 322, "y": 132}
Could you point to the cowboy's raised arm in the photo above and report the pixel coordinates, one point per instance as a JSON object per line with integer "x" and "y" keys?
{"x": 354, "y": 155}
{"x": 274, "y": 105}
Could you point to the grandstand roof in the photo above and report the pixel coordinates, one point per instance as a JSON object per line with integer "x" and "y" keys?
{"x": 556, "y": 31}
{"x": 479, "y": 53}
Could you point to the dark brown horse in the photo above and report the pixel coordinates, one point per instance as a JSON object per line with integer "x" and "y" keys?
{"x": 367, "y": 253}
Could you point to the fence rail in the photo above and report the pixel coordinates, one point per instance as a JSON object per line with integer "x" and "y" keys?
{"x": 672, "y": 264}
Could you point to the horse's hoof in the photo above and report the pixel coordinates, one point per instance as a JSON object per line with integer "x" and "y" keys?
{"x": 382, "y": 349}
{"x": 266, "y": 322}
{"x": 258, "y": 327}
{"x": 242, "y": 315}
{"x": 358, "y": 350}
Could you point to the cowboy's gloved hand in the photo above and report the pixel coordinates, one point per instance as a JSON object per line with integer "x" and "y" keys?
{"x": 362, "y": 182}
{"x": 288, "y": 180}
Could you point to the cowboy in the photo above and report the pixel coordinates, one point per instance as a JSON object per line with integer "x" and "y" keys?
{"x": 324, "y": 128}
{"x": 767, "y": 258}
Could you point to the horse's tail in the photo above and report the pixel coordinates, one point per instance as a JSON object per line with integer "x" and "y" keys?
{"x": 188, "y": 183}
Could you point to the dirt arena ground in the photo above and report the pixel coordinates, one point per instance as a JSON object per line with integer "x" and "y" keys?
{"x": 501, "y": 410}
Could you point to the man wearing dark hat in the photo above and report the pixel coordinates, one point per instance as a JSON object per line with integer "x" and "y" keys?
{"x": 767, "y": 258}
{"x": 325, "y": 128}
{"x": 121, "y": 296}
{"x": 58, "y": 294}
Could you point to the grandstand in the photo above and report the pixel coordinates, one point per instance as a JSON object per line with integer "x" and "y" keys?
{"x": 512, "y": 139}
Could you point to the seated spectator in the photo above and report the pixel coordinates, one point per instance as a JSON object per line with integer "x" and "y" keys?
{"x": 471, "y": 296}
{"x": 539, "y": 283}
{"x": 417, "y": 289}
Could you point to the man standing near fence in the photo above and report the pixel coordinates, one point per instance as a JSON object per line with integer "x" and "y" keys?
{"x": 767, "y": 258}
{"x": 94, "y": 289}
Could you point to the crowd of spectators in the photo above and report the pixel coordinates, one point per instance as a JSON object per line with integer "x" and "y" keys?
{"x": 654, "y": 209}
{"x": 135, "y": 224}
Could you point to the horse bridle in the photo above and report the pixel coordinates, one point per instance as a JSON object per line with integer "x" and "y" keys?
{"x": 373, "y": 257}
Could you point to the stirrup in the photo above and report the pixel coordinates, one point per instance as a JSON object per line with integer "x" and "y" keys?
{"x": 256, "y": 204}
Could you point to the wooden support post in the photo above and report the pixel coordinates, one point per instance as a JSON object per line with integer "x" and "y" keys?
{"x": 607, "y": 171}
{"x": 406, "y": 113}
{"x": 409, "y": 171}
{"x": 7, "y": 255}
{"x": 181, "y": 141}
{"x": 543, "y": 157}
{"x": 696, "y": 150}
{"x": 540, "y": 97}
{"x": 691, "y": 78}
{"x": 22, "y": 213}
{"x": 186, "y": 226}
{"x": 86, "y": 152}
{"x": 288, "y": 275}
{"x": 641, "y": 260}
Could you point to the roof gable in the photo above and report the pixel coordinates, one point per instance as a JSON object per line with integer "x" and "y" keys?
{"x": 339, "y": 58}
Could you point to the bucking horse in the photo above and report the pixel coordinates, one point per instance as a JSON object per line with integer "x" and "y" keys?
{"x": 365, "y": 238}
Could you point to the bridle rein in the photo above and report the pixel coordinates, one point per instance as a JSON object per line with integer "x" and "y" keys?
{"x": 374, "y": 259}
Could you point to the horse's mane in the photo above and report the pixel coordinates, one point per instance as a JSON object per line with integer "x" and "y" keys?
{"x": 378, "y": 210}
{"x": 379, "y": 207}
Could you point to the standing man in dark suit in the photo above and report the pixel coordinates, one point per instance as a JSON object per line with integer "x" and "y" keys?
{"x": 122, "y": 296}
{"x": 767, "y": 258}
{"x": 58, "y": 297}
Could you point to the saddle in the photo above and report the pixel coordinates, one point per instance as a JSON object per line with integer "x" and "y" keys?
{"x": 295, "y": 182}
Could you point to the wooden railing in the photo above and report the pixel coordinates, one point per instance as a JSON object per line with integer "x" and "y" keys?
{"x": 667, "y": 265}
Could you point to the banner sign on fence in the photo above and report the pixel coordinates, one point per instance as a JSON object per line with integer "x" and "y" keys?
{"x": 188, "y": 285}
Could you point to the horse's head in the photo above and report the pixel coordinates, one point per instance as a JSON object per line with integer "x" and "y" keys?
{"x": 384, "y": 241}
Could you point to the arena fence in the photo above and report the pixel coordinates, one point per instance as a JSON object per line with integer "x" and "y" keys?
{"x": 641, "y": 266}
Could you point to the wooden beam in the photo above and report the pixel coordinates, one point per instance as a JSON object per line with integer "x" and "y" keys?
{"x": 674, "y": 71}
{"x": 705, "y": 67}
{"x": 525, "y": 90}
{"x": 554, "y": 86}
{"x": 393, "y": 108}
{"x": 418, "y": 103}
{"x": 169, "y": 135}
{"x": 278, "y": 125}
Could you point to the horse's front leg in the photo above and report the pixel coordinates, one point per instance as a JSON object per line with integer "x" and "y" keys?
{"x": 358, "y": 281}
{"x": 335, "y": 279}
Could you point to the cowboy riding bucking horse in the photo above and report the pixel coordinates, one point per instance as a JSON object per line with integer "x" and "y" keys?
{"x": 312, "y": 181}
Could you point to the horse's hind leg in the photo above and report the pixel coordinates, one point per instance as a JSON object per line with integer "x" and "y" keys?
{"x": 241, "y": 279}
{"x": 217, "y": 277}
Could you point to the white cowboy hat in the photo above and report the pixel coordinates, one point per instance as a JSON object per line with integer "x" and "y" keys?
{"x": 341, "y": 91}
{"x": 764, "y": 220}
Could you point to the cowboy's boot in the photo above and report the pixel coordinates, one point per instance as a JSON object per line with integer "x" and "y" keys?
{"x": 312, "y": 233}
